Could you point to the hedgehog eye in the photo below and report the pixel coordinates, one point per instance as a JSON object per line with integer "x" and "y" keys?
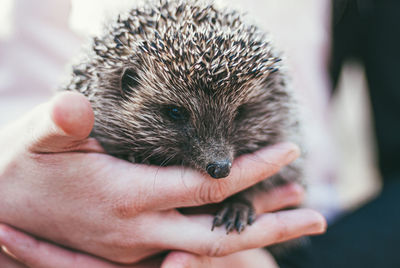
{"x": 176, "y": 113}
{"x": 240, "y": 112}
{"x": 129, "y": 80}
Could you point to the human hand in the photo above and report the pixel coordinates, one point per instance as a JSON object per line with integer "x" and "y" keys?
{"x": 58, "y": 184}
{"x": 25, "y": 251}
{"x": 37, "y": 253}
{"x": 282, "y": 197}
{"x": 22, "y": 251}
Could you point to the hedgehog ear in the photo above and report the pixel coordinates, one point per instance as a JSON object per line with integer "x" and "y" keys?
{"x": 129, "y": 80}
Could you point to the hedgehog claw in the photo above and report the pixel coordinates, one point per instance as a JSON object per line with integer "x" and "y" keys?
{"x": 235, "y": 215}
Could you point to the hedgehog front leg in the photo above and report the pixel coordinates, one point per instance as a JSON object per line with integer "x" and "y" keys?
{"x": 238, "y": 211}
{"x": 235, "y": 214}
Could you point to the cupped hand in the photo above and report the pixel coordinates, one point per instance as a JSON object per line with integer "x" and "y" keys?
{"x": 37, "y": 253}
{"x": 58, "y": 184}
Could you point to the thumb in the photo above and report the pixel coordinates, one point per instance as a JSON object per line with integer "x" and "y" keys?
{"x": 180, "y": 259}
{"x": 62, "y": 124}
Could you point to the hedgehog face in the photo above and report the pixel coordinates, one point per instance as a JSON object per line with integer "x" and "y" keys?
{"x": 164, "y": 118}
{"x": 184, "y": 84}
{"x": 166, "y": 122}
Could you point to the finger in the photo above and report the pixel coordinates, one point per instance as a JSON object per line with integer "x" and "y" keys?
{"x": 9, "y": 262}
{"x": 40, "y": 254}
{"x": 246, "y": 258}
{"x": 63, "y": 124}
{"x": 170, "y": 187}
{"x": 180, "y": 232}
{"x": 180, "y": 259}
{"x": 289, "y": 195}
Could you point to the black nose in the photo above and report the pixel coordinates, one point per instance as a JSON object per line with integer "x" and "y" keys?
{"x": 219, "y": 169}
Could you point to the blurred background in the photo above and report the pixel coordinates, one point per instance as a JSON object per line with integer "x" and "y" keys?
{"x": 40, "y": 39}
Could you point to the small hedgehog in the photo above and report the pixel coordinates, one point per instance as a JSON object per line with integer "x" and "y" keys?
{"x": 181, "y": 82}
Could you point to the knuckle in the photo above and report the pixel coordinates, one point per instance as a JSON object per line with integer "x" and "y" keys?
{"x": 130, "y": 200}
{"x": 212, "y": 192}
{"x": 282, "y": 233}
{"x": 121, "y": 209}
{"x": 122, "y": 242}
{"x": 217, "y": 249}
{"x": 125, "y": 208}
{"x": 122, "y": 255}
{"x": 45, "y": 159}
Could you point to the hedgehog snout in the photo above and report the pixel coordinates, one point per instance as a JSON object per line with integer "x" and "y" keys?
{"x": 219, "y": 169}
{"x": 212, "y": 155}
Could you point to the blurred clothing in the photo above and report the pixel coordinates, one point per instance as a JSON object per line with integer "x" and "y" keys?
{"x": 367, "y": 238}
{"x": 368, "y": 31}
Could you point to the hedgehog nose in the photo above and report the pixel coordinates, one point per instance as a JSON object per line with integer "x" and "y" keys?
{"x": 219, "y": 170}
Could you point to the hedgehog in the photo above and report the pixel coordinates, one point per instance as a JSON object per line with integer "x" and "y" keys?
{"x": 183, "y": 82}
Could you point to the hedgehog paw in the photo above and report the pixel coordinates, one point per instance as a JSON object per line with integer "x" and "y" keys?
{"x": 235, "y": 214}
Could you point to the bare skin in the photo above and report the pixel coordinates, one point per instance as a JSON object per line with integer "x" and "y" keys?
{"x": 58, "y": 184}
{"x": 21, "y": 249}
{"x": 27, "y": 252}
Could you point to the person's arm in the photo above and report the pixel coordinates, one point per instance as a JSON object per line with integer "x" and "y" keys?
{"x": 58, "y": 184}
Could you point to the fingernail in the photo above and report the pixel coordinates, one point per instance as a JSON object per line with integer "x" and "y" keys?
{"x": 319, "y": 224}
{"x": 291, "y": 149}
{"x": 72, "y": 113}
{"x": 296, "y": 193}
{"x": 294, "y": 152}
